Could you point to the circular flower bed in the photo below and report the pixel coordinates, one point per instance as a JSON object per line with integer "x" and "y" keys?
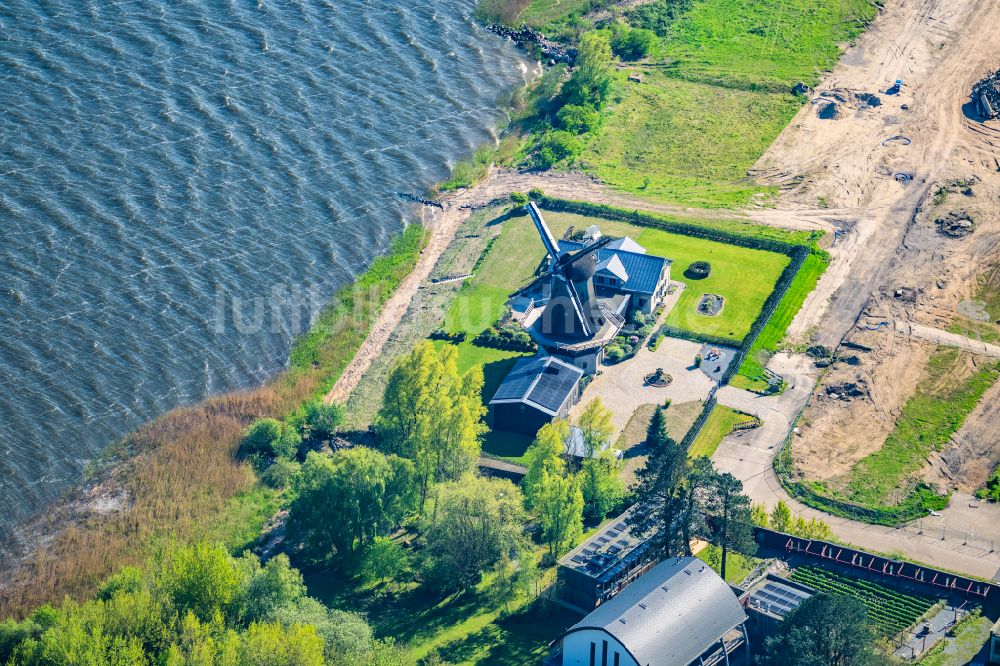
{"x": 658, "y": 378}
{"x": 699, "y": 270}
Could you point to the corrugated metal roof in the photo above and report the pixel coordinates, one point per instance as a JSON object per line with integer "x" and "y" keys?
{"x": 543, "y": 382}
{"x": 669, "y": 615}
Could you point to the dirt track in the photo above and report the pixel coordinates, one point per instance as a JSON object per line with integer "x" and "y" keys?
{"x": 939, "y": 49}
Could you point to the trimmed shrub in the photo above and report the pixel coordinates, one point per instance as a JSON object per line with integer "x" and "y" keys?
{"x": 509, "y": 337}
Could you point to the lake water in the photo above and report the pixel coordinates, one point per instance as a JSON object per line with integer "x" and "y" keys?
{"x": 162, "y": 161}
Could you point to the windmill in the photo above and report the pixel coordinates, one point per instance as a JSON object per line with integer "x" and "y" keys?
{"x": 572, "y": 310}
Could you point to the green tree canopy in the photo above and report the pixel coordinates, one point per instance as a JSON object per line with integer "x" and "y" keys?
{"x": 660, "y": 485}
{"x": 384, "y": 559}
{"x": 195, "y": 605}
{"x": 346, "y": 499}
{"x": 432, "y": 415}
{"x": 825, "y": 630}
{"x": 633, "y": 44}
{"x": 578, "y": 119}
{"x": 593, "y": 73}
{"x": 476, "y": 520}
{"x": 596, "y": 426}
{"x": 545, "y": 455}
{"x": 603, "y": 488}
{"x": 559, "y": 502}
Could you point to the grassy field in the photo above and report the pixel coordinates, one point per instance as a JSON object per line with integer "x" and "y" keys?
{"x": 949, "y": 390}
{"x": 679, "y": 417}
{"x": 766, "y": 44}
{"x": 463, "y": 630}
{"x": 716, "y": 91}
{"x": 675, "y": 140}
{"x": 751, "y": 373}
{"x": 719, "y": 424}
{"x": 743, "y": 276}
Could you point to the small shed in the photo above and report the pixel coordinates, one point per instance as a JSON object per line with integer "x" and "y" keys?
{"x": 535, "y": 391}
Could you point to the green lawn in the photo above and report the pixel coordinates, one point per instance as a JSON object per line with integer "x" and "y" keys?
{"x": 744, "y": 277}
{"x": 691, "y": 143}
{"x": 719, "y": 424}
{"x": 752, "y": 370}
{"x": 715, "y": 93}
{"x": 738, "y": 566}
{"x": 505, "y": 267}
{"x": 765, "y": 44}
{"x": 928, "y": 420}
{"x": 540, "y": 13}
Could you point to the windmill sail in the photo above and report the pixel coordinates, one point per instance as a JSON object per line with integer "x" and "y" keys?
{"x": 543, "y": 230}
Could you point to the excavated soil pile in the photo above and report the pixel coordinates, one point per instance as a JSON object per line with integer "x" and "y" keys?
{"x": 956, "y": 224}
{"x": 828, "y": 111}
{"x": 986, "y": 94}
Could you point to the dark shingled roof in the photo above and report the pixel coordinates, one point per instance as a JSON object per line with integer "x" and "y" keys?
{"x": 643, "y": 269}
{"x": 543, "y": 382}
{"x": 669, "y": 615}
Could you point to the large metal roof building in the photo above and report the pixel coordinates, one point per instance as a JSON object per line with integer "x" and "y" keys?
{"x": 679, "y": 613}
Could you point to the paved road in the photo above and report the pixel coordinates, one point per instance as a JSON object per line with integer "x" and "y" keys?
{"x": 961, "y": 538}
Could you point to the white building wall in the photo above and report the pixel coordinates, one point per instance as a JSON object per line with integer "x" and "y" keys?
{"x": 576, "y": 649}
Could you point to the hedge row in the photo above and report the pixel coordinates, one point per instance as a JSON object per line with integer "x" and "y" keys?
{"x": 700, "y": 421}
{"x": 674, "y": 332}
{"x": 666, "y": 224}
{"x": 798, "y": 257}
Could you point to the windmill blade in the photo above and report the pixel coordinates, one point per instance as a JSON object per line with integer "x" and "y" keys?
{"x": 543, "y": 230}
{"x": 538, "y": 280}
{"x": 568, "y": 259}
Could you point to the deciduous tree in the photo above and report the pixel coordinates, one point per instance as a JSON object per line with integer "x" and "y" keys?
{"x": 432, "y": 415}
{"x": 559, "y": 503}
{"x": 475, "y": 522}
{"x": 595, "y": 426}
{"x": 825, "y": 630}
{"x": 545, "y": 455}
{"x": 346, "y": 499}
{"x": 603, "y": 488}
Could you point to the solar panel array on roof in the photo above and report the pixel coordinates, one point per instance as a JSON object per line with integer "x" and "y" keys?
{"x": 518, "y": 381}
{"x": 543, "y": 382}
{"x": 778, "y": 599}
{"x": 554, "y": 384}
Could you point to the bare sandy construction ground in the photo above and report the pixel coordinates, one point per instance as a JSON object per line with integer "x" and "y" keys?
{"x": 885, "y": 175}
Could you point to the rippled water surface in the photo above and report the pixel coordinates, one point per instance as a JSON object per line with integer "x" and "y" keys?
{"x": 159, "y": 160}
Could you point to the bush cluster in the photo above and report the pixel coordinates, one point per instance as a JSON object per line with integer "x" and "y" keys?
{"x": 508, "y": 337}
{"x": 455, "y": 338}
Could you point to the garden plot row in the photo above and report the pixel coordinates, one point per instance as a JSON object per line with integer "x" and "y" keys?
{"x": 890, "y": 610}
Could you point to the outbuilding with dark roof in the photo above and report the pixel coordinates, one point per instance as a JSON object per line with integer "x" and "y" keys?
{"x": 535, "y": 391}
{"x": 678, "y": 613}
